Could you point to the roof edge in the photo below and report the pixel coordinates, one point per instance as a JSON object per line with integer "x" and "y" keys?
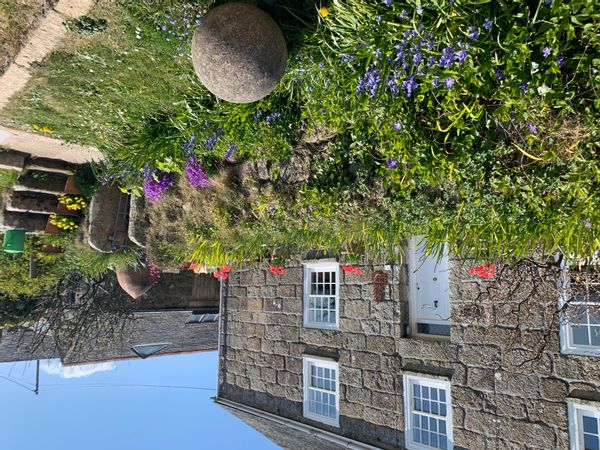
{"x": 325, "y": 435}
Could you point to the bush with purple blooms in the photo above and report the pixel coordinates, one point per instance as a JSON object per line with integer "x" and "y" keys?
{"x": 195, "y": 175}
{"x": 156, "y": 184}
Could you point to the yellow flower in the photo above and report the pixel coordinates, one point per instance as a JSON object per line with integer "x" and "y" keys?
{"x": 324, "y": 12}
{"x": 46, "y": 130}
{"x": 36, "y": 127}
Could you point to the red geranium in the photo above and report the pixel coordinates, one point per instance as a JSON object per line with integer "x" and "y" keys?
{"x": 483, "y": 271}
{"x": 350, "y": 269}
{"x": 277, "y": 270}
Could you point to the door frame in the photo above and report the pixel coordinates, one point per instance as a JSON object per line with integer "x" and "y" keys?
{"x": 412, "y": 294}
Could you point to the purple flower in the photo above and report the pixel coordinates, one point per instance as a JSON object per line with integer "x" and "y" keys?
{"x": 447, "y": 58}
{"x": 231, "y": 150}
{"x": 271, "y": 117}
{"x": 473, "y": 33}
{"x": 524, "y": 86}
{"x": 546, "y": 51}
{"x": 378, "y": 20}
{"x": 488, "y": 24}
{"x": 549, "y": 3}
{"x": 259, "y": 113}
{"x": 346, "y": 58}
{"x": 196, "y": 175}
{"x": 403, "y": 14}
{"x": 431, "y": 62}
{"x": 461, "y": 56}
{"x": 189, "y": 145}
{"x": 377, "y": 53}
{"x": 417, "y": 57}
{"x": 532, "y": 128}
{"x": 587, "y": 224}
{"x": 369, "y": 82}
{"x": 410, "y": 85}
{"x": 498, "y": 72}
{"x": 419, "y": 10}
{"x": 449, "y": 82}
{"x": 210, "y": 142}
{"x": 397, "y": 126}
{"x": 156, "y": 185}
{"x": 392, "y": 163}
{"x": 435, "y": 82}
{"x": 561, "y": 60}
{"x": 321, "y": 65}
{"x": 387, "y": 2}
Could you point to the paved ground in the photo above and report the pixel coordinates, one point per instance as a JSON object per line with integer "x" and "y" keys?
{"x": 46, "y": 147}
{"x": 41, "y": 42}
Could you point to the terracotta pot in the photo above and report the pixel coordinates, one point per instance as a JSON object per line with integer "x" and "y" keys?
{"x": 136, "y": 282}
{"x": 51, "y": 229}
{"x": 71, "y": 186}
{"x": 62, "y": 210}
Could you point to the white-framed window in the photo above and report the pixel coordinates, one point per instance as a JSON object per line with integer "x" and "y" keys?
{"x": 428, "y": 413}
{"x": 580, "y": 319}
{"x": 203, "y": 318}
{"x": 321, "y": 295}
{"x": 321, "y": 390}
{"x": 584, "y": 425}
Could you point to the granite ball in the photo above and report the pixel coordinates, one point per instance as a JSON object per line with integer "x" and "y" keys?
{"x": 239, "y": 52}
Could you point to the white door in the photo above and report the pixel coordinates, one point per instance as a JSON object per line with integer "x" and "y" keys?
{"x": 429, "y": 307}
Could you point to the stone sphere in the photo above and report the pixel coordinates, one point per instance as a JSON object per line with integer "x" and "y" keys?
{"x": 239, "y": 52}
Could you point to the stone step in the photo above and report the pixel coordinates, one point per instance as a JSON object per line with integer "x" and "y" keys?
{"x": 50, "y": 165}
{"x": 42, "y": 182}
{"x": 108, "y": 219}
{"x": 31, "y": 202}
{"x": 32, "y": 223}
{"x": 12, "y": 160}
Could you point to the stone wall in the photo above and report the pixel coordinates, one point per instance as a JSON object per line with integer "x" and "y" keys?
{"x": 509, "y": 380}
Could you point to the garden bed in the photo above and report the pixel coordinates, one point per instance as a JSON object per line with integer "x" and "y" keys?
{"x": 473, "y": 125}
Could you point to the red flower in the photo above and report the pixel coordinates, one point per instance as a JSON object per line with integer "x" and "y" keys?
{"x": 276, "y": 270}
{"x": 483, "y": 271}
{"x": 225, "y": 269}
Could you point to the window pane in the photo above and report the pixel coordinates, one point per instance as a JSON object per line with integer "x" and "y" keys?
{"x": 434, "y": 408}
{"x": 416, "y": 420}
{"x": 595, "y": 332}
{"x": 417, "y": 435}
{"x": 442, "y": 426}
{"x": 443, "y": 409}
{"x": 442, "y": 395}
{"x": 432, "y": 424}
{"x": 417, "y": 390}
{"x": 425, "y": 423}
{"x": 426, "y": 406}
{"x": 580, "y": 335}
{"x": 443, "y": 443}
{"x": 424, "y": 437}
{"x": 425, "y": 392}
{"x": 433, "y": 440}
{"x": 434, "y": 394}
{"x": 590, "y": 424}
{"x": 590, "y": 442}
{"x": 417, "y": 404}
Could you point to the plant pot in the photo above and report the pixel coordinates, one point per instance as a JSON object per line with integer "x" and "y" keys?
{"x": 51, "y": 229}
{"x": 62, "y": 210}
{"x": 71, "y": 186}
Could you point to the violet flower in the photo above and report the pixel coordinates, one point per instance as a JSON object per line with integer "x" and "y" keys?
{"x": 156, "y": 185}
{"x": 196, "y": 175}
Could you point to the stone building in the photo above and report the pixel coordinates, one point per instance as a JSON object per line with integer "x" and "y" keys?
{"x": 179, "y": 314}
{"x": 421, "y": 354}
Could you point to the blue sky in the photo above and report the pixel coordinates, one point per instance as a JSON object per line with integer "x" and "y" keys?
{"x": 72, "y": 413}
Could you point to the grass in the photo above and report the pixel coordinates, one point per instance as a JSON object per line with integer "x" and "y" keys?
{"x": 7, "y": 179}
{"x": 98, "y": 88}
{"x": 17, "y": 17}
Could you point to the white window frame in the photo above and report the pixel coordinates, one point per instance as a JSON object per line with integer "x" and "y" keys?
{"x": 321, "y": 267}
{"x": 566, "y": 343}
{"x": 576, "y": 410}
{"x": 409, "y": 382}
{"x": 308, "y": 362}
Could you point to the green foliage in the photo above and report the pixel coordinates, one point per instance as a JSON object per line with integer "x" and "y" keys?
{"x": 15, "y": 280}
{"x": 472, "y": 123}
{"x": 93, "y": 264}
{"x": 7, "y": 179}
{"x": 86, "y": 25}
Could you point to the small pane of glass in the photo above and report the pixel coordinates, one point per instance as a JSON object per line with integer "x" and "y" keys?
{"x": 442, "y": 395}
{"x": 590, "y": 442}
{"x": 417, "y": 390}
{"x": 590, "y": 424}
{"x": 580, "y": 335}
